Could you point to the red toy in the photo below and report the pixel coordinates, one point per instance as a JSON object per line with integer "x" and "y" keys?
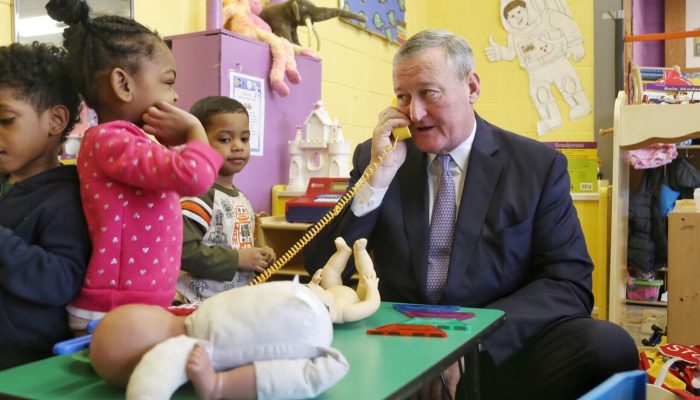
{"x": 408, "y": 330}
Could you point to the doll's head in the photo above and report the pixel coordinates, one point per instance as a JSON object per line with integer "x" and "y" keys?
{"x": 125, "y": 334}
{"x": 119, "y": 66}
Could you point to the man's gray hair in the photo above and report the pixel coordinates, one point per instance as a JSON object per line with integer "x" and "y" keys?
{"x": 459, "y": 54}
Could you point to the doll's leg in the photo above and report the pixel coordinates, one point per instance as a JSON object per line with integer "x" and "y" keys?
{"x": 331, "y": 275}
{"x": 365, "y": 268}
{"x": 201, "y": 373}
{"x": 237, "y": 383}
{"x": 363, "y": 262}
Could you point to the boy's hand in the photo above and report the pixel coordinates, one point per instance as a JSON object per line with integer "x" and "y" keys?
{"x": 171, "y": 125}
{"x": 269, "y": 253}
{"x": 253, "y": 259}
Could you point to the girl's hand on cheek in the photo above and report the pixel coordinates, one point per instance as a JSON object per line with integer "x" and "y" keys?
{"x": 172, "y": 125}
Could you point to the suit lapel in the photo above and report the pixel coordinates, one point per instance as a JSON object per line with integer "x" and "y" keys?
{"x": 413, "y": 181}
{"x": 479, "y": 185}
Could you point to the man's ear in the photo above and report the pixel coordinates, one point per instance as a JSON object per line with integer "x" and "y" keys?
{"x": 473, "y": 83}
{"x": 58, "y": 119}
{"x": 122, "y": 84}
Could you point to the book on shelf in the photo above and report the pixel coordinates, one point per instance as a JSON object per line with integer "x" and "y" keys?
{"x": 582, "y": 160}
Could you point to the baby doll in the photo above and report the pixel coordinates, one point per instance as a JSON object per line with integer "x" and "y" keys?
{"x": 241, "y": 16}
{"x": 345, "y": 304}
{"x": 271, "y": 341}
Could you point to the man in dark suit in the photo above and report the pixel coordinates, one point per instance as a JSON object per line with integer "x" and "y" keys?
{"x": 516, "y": 242}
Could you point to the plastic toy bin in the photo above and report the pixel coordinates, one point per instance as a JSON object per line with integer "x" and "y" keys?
{"x": 638, "y": 289}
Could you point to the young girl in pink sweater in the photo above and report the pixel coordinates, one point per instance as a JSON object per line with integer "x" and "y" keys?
{"x": 130, "y": 185}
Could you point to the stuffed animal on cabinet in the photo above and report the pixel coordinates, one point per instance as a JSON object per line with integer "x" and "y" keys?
{"x": 284, "y": 18}
{"x": 240, "y": 16}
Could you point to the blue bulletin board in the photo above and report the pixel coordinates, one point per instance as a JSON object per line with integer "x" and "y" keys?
{"x": 385, "y": 18}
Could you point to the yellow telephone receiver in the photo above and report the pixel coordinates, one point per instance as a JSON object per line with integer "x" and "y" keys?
{"x": 401, "y": 133}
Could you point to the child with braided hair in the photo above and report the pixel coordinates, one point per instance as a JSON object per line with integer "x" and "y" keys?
{"x": 130, "y": 184}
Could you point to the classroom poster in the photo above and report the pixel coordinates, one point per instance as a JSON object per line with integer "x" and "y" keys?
{"x": 385, "y": 18}
{"x": 249, "y": 90}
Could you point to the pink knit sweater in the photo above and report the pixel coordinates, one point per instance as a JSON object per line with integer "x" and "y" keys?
{"x": 130, "y": 189}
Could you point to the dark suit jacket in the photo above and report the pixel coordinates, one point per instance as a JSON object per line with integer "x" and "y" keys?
{"x": 517, "y": 247}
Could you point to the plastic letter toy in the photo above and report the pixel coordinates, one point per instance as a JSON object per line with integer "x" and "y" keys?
{"x": 424, "y": 307}
{"x": 430, "y": 314}
{"x": 408, "y": 330}
{"x": 442, "y": 323}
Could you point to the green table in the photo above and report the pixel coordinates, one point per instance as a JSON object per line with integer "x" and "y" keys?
{"x": 380, "y": 366}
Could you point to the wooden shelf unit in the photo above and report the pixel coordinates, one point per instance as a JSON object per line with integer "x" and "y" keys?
{"x": 281, "y": 235}
{"x": 647, "y": 303}
{"x": 684, "y": 274}
{"x": 637, "y": 126}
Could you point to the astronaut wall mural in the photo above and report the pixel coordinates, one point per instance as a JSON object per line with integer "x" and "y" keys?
{"x": 546, "y": 39}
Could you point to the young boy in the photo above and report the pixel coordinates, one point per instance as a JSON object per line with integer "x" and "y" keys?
{"x": 219, "y": 251}
{"x": 44, "y": 242}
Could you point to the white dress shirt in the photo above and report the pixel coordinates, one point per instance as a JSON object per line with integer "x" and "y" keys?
{"x": 368, "y": 198}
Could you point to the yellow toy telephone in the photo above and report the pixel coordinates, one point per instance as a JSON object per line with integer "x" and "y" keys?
{"x": 401, "y": 133}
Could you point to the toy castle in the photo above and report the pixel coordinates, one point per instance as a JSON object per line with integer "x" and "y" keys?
{"x": 320, "y": 151}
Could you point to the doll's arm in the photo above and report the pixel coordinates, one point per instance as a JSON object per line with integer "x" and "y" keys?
{"x": 162, "y": 370}
{"x": 299, "y": 378}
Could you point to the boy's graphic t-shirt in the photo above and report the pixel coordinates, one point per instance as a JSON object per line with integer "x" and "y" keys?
{"x": 228, "y": 222}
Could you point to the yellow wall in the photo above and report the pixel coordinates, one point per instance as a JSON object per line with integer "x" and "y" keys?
{"x": 171, "y": 17}
{"x": 5, "y": 22}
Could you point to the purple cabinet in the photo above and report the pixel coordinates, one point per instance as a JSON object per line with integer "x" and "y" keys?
{"x": 203, "y": 61}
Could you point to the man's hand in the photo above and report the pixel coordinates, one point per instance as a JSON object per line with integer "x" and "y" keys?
{"x": 389, "y": 119}
{"x": 172, "y": 126}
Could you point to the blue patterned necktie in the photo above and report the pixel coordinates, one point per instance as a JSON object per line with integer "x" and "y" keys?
{"x": 442, "y": 226}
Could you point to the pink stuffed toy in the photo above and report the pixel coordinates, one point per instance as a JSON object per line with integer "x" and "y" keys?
{"x": 241, "y": 16}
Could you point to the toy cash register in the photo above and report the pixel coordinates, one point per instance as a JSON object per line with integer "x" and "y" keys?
{"x": 321, "y": 195}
